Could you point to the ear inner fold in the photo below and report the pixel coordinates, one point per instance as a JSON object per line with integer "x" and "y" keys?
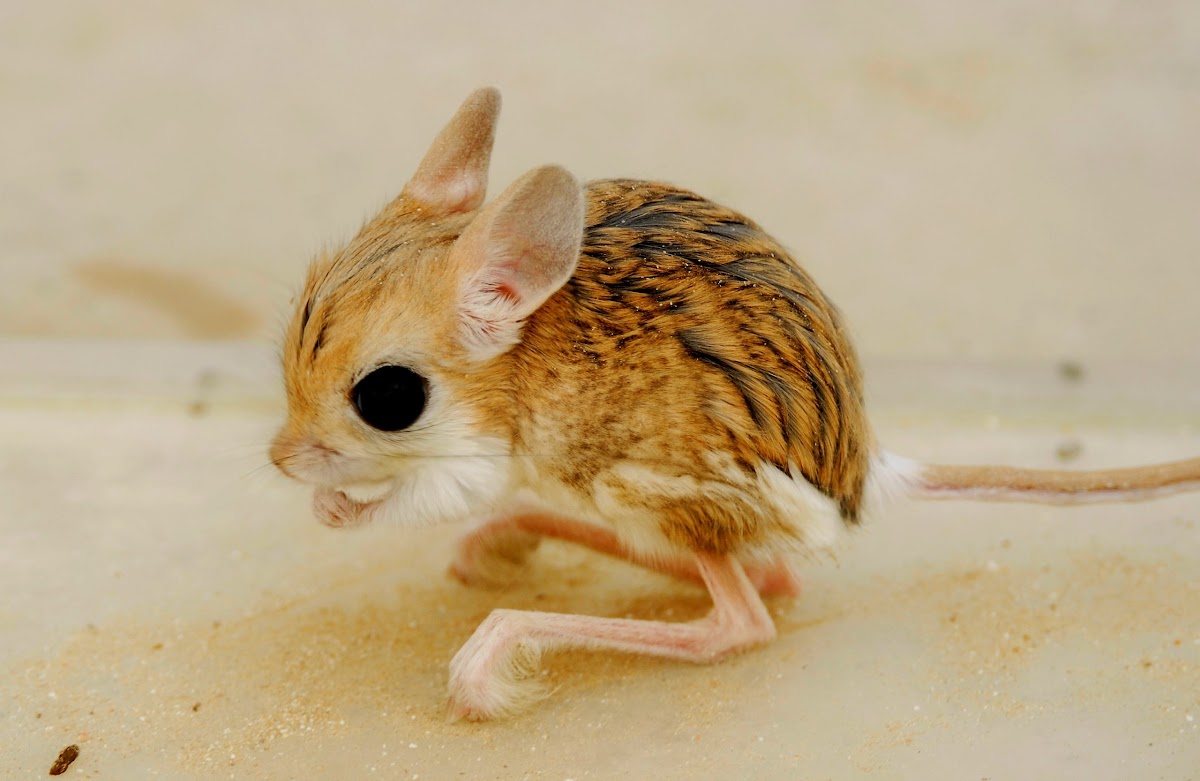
{"x": 517, "y": 253}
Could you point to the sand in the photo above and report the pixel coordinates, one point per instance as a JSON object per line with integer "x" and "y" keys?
{"x": 168, "y": 603}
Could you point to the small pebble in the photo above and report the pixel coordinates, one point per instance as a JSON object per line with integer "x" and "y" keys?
{"x": 65, "y": 758}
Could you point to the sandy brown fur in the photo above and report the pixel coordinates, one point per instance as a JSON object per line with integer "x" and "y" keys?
{"x": 688, "y": 331}
{"x": 353, "y": 293}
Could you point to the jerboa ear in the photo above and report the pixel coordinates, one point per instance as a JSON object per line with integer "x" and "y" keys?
{"x": 452, "y": 177}
{"x": 517, "y": 253}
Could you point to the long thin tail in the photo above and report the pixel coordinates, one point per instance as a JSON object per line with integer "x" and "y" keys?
{"x": 1054, "y": 486}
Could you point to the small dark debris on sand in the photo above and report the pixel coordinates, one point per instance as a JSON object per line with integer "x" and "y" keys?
{"x": 65, "y": 758}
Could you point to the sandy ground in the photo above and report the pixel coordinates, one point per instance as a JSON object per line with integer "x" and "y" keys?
{"x": 986, "y": 191}
{"x": 168, "y": 604}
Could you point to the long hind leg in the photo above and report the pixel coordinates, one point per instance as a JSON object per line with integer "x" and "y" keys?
{"x": 493, "y": 553}
{"x": 494, "y": 672}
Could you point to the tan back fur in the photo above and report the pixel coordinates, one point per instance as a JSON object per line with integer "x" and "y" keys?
{"x": 687, "y": 330}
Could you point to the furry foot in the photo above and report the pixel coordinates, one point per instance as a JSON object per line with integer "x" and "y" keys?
{"x": 495, "y": 672}
{"x": 494, "y": 555}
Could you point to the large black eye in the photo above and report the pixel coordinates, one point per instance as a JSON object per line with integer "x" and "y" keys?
{"x": 390, "y": 398}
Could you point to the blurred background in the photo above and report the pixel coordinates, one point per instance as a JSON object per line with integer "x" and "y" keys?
{"x": 1013, "y": 181}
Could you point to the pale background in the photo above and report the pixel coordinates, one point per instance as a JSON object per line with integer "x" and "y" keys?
{"x": 1009, "y": 181}
{"x": 1002, "y": 197}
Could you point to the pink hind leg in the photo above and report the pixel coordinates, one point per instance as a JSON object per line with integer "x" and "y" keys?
{"x": 493, "y": 673}
{"x": 492, "y": 554}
